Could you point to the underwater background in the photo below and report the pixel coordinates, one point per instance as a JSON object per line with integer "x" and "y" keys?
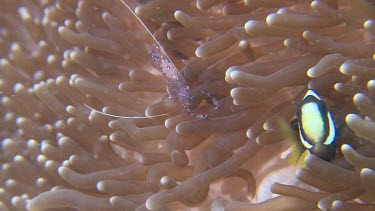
{"x": 244, "y": 65}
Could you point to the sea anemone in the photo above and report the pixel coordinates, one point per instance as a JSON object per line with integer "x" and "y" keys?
{"x": 257, "y": 58}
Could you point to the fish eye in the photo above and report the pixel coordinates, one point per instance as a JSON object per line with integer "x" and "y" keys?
{"x": 294, "y": 124}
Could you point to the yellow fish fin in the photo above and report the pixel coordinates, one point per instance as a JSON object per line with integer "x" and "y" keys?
{"x": 291, "y": 139}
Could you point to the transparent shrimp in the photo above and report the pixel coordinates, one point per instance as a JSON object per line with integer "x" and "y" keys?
{"x": 177, "y": 87}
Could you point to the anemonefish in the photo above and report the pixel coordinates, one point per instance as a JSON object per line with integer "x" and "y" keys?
{"x": 316, "y": 128}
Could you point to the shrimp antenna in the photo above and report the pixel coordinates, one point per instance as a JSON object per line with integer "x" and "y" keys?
{"x": 125, "y": 117}
{"x": 153, "y": 37}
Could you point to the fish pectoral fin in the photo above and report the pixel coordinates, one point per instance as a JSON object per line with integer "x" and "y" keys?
{"x": 297, "y": 157}
{"x": 291, "y": 139}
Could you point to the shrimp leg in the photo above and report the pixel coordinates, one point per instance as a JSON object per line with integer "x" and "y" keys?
{"x": 213, "y": 98}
